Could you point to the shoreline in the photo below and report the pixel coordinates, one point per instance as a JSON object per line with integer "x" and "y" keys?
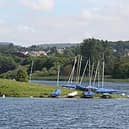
{"x": 12, "y": 88}
{"x": 60, "y": 97}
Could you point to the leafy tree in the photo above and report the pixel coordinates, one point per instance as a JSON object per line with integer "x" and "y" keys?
{"x": 53, "y": 51}
{"x": 95, "y": 49}
{"x": 9, "y": 75}
{"x": 38, "y": 63}
{"x": 6, "y": 64}
{"x": 26, "y": 61}
{"x": 22, "y": 76}
{"x": 72, "y": 51}
{"x": 7, "y": 48}
{"x": 53, "y": 71}
{"x": 67, "y": 69}
{"x": 49, "y": 62}
{"x": 45, "y": 72}
{"x": 92, "y": 48}
{"x": 121, "y": 69}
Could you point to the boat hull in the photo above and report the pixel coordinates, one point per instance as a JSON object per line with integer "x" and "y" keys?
{"x": 73, "y": 94}
{"x": 88, "y": 94}
{"x": 56, "y": 93}
{"x": 106, "y": 96}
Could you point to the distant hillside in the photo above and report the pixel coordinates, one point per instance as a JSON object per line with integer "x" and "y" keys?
{"x": 5, "y": 43}
{"x": 57, "y": 45}
{"x": 9, "y": 48}
{"x": 121, "y": 47}
{"x": 64, "y": 45}
{"x": 119, "y": 44}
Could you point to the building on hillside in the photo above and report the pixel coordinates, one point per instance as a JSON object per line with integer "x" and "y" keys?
{"x": 38, "y": 53}
{"x": 22, "y": 53}
{"x": 60, "y": 50}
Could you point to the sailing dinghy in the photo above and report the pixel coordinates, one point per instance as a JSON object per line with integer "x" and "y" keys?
{"x": 72, "y": 94}
{"x": 57, "y": 92}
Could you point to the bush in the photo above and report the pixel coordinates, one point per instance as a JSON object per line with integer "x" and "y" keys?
{"x": 22, "y": 76}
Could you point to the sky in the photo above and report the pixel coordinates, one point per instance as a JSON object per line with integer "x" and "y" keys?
{"x": 28, "y": 22}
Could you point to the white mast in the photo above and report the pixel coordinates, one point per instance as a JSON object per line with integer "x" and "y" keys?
{"x": 83, "y": 73}
{"x": 79, "y": 68}
{"x": 98, "y": 78}
{"x": 92, "y": 71}
{"x": 89, "y": 74}
{"x": 72, "y": 72}
{"x": 31, "y": 70}
{"x": 97, "y": 71}
{"x": 103, "y": 72}
{"x": 58, "y": 76}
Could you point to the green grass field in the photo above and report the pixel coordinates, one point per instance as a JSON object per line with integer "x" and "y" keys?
{"x": 20, "y": 89}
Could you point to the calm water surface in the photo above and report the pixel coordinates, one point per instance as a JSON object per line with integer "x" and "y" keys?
{"x": 122, "y": 87}
{"x": 27, "y": 113}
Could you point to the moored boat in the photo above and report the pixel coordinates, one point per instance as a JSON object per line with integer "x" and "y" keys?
{"x": 72, "y": 94}
{"x": 56, "y": 93}
{"x": 106, "y": 95}
{"x": 3, "y": 96}
{"x": 88, "y": 94}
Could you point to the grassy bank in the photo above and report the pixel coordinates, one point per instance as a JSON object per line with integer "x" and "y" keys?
{"x": 19, "y": 89}
{"x": 13, "y": 88}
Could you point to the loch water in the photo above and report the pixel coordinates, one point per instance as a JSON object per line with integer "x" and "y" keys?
{"x": 52, "y": 113}
{"x": 121, "y": 87}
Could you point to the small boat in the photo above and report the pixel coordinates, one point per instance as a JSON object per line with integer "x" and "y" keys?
{"x": 106, "y": 95}
{"x": 3, "y": 96}
{"x": 72, "y": 94}
{"x": 123, "y": 94}
{"x": 88, "y": 94}
{"x": 56, "y": 93}
{"x": 102, "y": 90}
{"x": 73, "y": 84}
{"x": 70, "y": 83}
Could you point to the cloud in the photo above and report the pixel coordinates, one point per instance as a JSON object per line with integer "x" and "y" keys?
{"x": 4, "y": 27}
{"x": 109, "y": 21}
{"x": 39, "y": 5}
{"x": 2, "y": 3}
{"x": 90, "y": 18}
{"x": 25, "y": 28}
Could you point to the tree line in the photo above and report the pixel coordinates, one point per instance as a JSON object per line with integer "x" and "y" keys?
{"x": 115, "y": 56}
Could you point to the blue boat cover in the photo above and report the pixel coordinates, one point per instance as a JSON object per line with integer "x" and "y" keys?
{"x": 91, "y": 87}
{"x": 88, "y": 94}
{"x": 84, "y": 88}
{"x": 80, "y": 87}
{"x": 56, "y": 92}
{"x": 104, "y": 90}
{"x": 70, "y": 85}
